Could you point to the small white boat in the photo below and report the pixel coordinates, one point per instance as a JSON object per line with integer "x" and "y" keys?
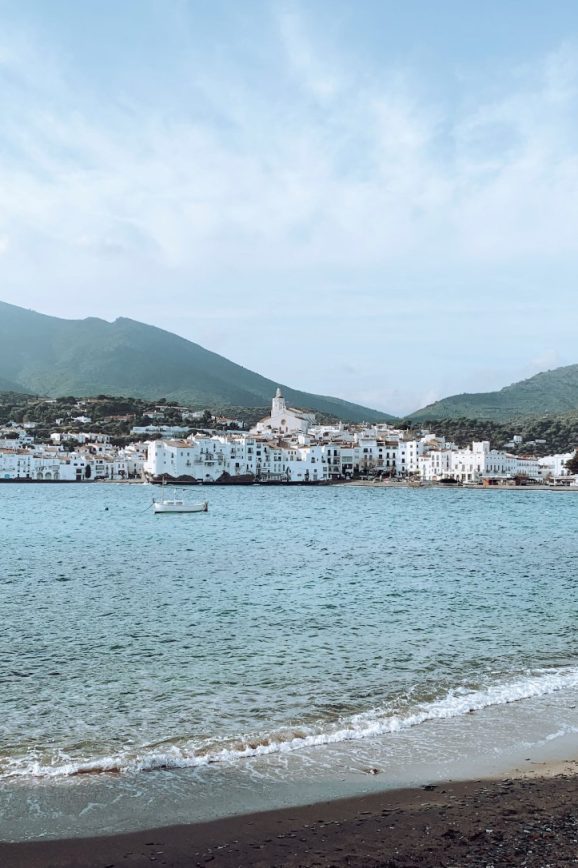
{"x": 176, "y": 505}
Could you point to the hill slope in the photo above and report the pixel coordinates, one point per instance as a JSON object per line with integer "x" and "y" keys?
{"x": 7, "y": 386}
{"x": 550, "y": 392}
{"x": 51, "y": 356}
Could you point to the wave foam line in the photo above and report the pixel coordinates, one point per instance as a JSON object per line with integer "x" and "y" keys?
{"x": 369, "y": 724}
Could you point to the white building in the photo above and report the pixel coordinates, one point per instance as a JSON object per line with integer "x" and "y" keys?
{"x": 436, "y": 465}
{"x": 283, "y": 419}
{"x": 164, "y": 430}
{"x": 240, "y": 458}
{"x": 51, "y": 463}
{"x": 41, "y": 466}
{"x": 15, "y": 436}
{"x": 555, "y": 465}
{"x": 476, "y": 464}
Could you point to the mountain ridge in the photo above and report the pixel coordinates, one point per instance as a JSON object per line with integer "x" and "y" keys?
{"x": 52, "y": 356}
{"x": 549, "y": 392}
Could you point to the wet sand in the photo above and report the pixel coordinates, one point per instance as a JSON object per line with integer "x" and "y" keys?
{"x": 527, "y": 821}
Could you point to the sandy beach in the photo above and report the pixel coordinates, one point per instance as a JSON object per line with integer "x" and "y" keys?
{"x": 530, "y": 820}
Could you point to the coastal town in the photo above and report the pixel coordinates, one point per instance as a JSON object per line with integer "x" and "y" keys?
{"x": 288, "y": 446}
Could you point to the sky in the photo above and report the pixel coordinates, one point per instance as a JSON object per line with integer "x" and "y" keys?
{"x": 373, "y": 199}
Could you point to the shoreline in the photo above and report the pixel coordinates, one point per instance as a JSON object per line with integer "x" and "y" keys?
{"x": 352, "y": 483}
{"x": 521, "y": 738}
{"x": 366, "y": 483}
{"x": 528, "y": 818}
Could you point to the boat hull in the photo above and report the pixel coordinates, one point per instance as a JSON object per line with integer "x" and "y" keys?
{"x": 223, "y": 479}
{"x": 167, "y": 508}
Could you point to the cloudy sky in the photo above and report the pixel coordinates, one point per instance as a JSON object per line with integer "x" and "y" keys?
{"x": 376, "y": 199}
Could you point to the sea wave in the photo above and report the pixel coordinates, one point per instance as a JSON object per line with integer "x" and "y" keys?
{"x": 368, "y": 724}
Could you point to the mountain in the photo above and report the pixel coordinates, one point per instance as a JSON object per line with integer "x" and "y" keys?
{"x": 543, "y": 394}
{"x": 46, "y": 355}
{"x": 16, "y": 388}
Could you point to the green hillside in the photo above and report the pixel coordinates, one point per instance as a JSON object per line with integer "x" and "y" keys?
{"x": 551, "y": 392}
{"x": 50, "y": 356}
{"x": 7, "y": 386}
{"x": 541, "y": 435}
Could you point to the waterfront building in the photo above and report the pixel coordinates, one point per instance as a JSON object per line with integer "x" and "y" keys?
{"x": 239, "y": 458}
{"x": 435, "y": 465}
{"x": 554, "y": 466}
{"x": 44, "y": 463}
{"x": 477, "y": 464}
{"x": 285, "y": 447}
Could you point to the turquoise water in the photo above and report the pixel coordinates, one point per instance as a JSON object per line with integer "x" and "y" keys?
{"x": 283, "y": 622}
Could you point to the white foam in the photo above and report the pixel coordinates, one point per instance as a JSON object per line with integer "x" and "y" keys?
{"x": 368, "y": 724}
{"x": 560, "y": 733}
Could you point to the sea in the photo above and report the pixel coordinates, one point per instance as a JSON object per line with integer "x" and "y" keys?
{"x": 291, "y": 645}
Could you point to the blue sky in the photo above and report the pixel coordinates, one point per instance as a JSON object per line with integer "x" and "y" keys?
{"x": 372, "y": 199}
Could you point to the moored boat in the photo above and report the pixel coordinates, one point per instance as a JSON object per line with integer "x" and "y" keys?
{"x": 176, "y": 505}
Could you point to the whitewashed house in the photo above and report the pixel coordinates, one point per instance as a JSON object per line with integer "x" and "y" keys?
{"x": 554, "y": 466}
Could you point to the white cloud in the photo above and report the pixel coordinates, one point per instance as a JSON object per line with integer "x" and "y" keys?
{"x": 312, "y": 72}
{"x": 352, "y": 187}
{"x": 358, "y": 185}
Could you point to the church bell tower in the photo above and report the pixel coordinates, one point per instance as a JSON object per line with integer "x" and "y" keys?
{"x": 278, "y": 405}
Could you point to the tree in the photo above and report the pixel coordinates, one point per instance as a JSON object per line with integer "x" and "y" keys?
{"x": 572, "y": 464}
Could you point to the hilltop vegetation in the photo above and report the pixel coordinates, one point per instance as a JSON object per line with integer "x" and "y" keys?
{"x": 552, "y": 392}
{"x": 116, "y": 415}
{"x": 558, "y": 433}
{"x": 109, "y": 414}
{"x": 46, "y": 355}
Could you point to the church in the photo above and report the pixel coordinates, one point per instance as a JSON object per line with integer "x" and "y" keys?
{"x": 284, "y": 420}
